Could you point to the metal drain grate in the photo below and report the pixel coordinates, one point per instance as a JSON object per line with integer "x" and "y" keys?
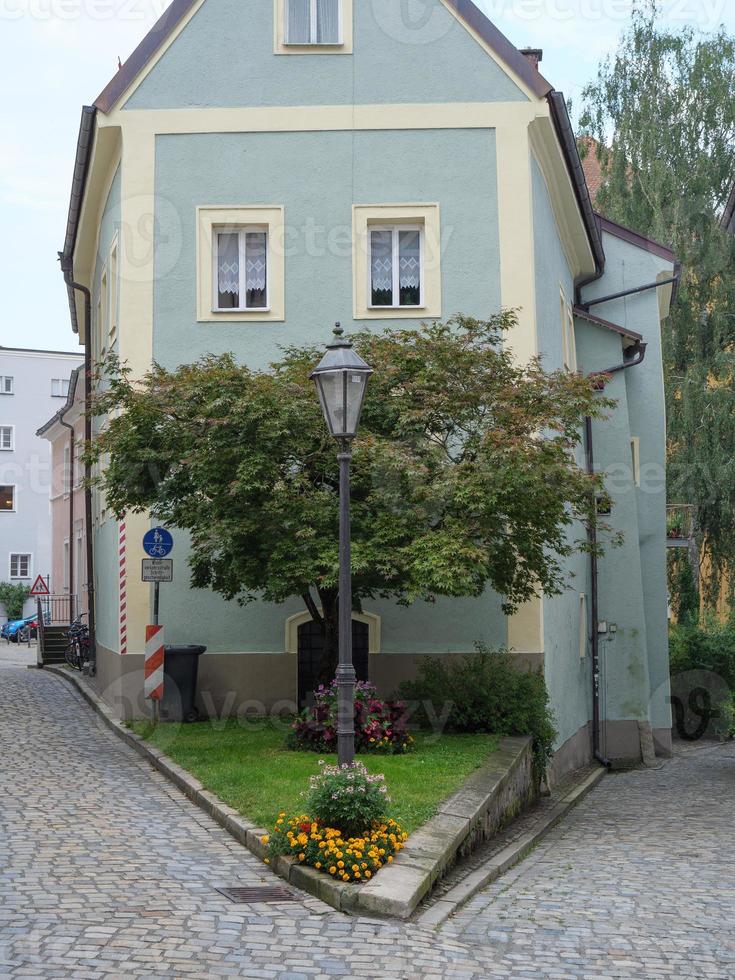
{"x": 259, "y": 893}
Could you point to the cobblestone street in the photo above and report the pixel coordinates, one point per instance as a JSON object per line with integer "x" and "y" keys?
{"x": 108, "y": 871}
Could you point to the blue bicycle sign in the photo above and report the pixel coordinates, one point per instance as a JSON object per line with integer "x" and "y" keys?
{"x": 158, "y": 542}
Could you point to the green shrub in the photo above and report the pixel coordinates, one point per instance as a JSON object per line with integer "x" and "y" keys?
{"x": 485, "y": 692}
{"x": 702, "y": 668}
{"x": 347, "y": 797}
{"x": 13, "y": 597}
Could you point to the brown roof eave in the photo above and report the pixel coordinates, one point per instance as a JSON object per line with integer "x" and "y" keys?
{"x": 565, "y": 133}
{"x": 148, "y": 47}
{"x": 583, "y": 314}
{"x": 78, "y": 184}
{"x": 71, "y": 395}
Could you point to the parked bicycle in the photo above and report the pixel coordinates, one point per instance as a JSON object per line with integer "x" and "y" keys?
{"x": 77, "y": 653}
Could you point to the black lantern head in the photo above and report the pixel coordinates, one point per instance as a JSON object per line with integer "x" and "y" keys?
{"x": 341, "y": 379}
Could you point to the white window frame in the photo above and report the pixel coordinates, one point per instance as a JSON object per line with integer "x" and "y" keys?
{"x": 66, "y": 478}
{"x": 14, "y": 508}
{"x": 396, "y": 290}
{"x": 102, "y": 306}
{"x": 635, "y": 457}
{"x": 583, "y": 628}
{"x": 568, "y": 340}
{"x": 11, "y": 430}
{"x": 5, "y": 388}
{"x": 66, "y": 554}
{"x": 284, "y": 47}
{"x": 314, "y": 26}
{"x": 246, "y": 216}
{"x": 61, "y": 382}
{"x": 241, "y": 231}
{"x": 112, "y": 293}
{"x": 20, "y": 554}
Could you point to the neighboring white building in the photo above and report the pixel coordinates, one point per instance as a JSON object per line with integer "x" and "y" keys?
{"x": 33, "y": 386}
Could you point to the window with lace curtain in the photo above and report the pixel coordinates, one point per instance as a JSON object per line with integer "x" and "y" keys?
{"x": 395, "y": 266}
{"x": 313, "y": 22}
{"x": 396, "y": 261}
{"x": 241, "y": 269}
{"x": 240, "y": 263}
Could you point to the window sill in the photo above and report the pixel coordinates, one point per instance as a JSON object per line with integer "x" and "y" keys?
{"x": 374, "y": 309}
{"x": 313, "y": 44}
{"x": 247, "y": 309}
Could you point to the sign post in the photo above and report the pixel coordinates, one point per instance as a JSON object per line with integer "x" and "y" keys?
{"x": 157, "y": 568}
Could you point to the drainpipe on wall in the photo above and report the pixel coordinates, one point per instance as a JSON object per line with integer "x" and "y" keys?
{"x": 636, "y": 356}
{"x": 71, "y": 511}
{"x": 87, "y": 466}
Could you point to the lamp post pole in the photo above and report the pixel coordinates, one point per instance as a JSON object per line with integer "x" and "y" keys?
{"x": 345, "y": 668}
{"x": 341, "y": 379}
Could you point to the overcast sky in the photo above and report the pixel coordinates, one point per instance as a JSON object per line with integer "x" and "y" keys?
{"x": 56, "y": 55}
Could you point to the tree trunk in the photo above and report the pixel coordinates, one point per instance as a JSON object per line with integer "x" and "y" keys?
{"x": 330, "y": 634}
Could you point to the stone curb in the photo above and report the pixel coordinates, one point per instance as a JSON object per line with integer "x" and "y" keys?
{"x": 508, "y": 856}
{"x": 402, "y": 885}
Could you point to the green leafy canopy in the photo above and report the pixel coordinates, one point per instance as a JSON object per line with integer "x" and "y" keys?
{"x": 464, "y": 474}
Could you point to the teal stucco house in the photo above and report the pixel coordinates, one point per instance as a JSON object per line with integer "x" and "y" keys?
{"x": 258, "y": 169}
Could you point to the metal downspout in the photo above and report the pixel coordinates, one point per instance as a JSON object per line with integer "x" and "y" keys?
{"x": 71, "y": 511}
{"x": 639, "y": 349}
{"x": 87, "y": 466}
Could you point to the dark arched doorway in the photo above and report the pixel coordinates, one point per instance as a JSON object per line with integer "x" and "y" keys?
{"x": 310, "y": 655}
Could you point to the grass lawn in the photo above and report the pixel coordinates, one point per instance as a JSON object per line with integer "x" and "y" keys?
{"x": 249, "y": 768}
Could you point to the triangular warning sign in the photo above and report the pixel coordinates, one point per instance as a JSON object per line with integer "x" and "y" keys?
{"x": 39, "y": 587}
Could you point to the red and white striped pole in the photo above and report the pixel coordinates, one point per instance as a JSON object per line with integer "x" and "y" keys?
{"x": 153, "y": 669}
{"x": 122, "y": 558}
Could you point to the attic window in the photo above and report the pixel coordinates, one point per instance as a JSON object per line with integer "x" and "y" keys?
{"x": 313, "y": 22}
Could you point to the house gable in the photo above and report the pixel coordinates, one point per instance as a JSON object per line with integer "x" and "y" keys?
{"x": 220, "y": 53}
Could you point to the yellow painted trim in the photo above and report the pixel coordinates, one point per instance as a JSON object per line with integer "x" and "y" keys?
{"x": 517, "y": 81}
{"x": 279, "y": 33}
{"x": 515, "y": 231}
{"x": 251, "y": 214}
{"x": 572, "y": 232}
{"x": 427, "y": 215}
{"x": 526, "y": 628}
{"x": 104, "y": 162}
{"x": 372, "y": 621}
{"x": 323, "y": 118}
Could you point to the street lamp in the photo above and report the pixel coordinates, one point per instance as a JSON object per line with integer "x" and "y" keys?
{"x": 341, "y": 379}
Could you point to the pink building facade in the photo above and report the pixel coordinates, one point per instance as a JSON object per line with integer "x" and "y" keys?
{"x": 65, "y": 432}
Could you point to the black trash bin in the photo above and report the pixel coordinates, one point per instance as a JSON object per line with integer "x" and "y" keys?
{"x": 180, "y": 669}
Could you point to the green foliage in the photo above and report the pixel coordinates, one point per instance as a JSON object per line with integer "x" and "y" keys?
{"x": 347, "y": 797}
{"x": 707, "y": 648}
{"x": 13, "y": 596}
{"x": 682, "y": 586}
{"x": 663, "y": 109}
{"x": 485, "y": 692}
{"x": 453, "y": 491}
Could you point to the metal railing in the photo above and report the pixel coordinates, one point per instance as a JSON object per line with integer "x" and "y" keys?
{"x": 679, "y": 525}
{"x": 57, "y": 610}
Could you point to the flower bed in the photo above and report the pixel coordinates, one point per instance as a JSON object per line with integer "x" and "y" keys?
{"x": 348, "y": 834}
{"x": 380, "y": 726}
{"x": 354, "y": 859}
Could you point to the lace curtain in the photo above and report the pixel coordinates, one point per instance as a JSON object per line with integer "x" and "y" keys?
{"x": 327, "y": 21}
{"x": 228, "y": 263}
{"x": 298, "y": 21}
{"x": 255, "y": 261}
{"x": 409, "y": 262}
{"x": 381, "y": 260}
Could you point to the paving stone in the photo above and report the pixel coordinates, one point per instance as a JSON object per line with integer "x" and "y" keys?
{"x": 109, "y": 871}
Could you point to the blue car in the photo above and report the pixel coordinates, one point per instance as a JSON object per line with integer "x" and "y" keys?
{"x": 12, "y": 629}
